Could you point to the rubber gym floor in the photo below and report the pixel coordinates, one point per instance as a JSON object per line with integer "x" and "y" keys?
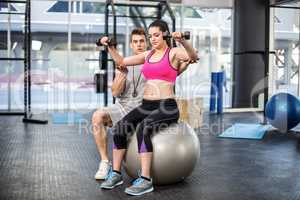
{"x": 59, "y": 162}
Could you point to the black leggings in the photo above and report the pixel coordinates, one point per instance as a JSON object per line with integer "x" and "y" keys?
{"x": 151, "y": 116}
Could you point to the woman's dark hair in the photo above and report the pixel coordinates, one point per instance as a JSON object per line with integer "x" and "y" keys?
{"x": 163, "y": 27}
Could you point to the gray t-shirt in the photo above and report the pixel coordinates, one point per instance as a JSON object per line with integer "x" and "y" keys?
{"x": 126, "y": 101}
{"x": 134, "y": 83}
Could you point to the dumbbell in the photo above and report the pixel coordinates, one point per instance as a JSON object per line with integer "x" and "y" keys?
{"x": 110, "y": 42}
{"x": 186, "y": 35}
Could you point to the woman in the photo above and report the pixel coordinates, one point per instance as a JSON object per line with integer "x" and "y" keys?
{"x": 158, "y": 109}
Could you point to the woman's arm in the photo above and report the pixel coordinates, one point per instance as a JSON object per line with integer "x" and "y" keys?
{"x": 189, "y": 51}
{"x": 120, "y": 60}
{"x": 119, "y": 82}
{"x": 183, "y": 66}
{"x": 127, "y": 61}
{"x": 185, "y": 53}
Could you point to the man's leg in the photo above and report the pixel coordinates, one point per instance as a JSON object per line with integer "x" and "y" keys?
{"x": 101, "y": 119}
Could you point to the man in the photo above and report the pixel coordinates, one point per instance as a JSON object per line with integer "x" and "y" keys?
{"x": 127, "y": 87}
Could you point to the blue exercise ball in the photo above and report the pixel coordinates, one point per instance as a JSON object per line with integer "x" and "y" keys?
{"x": 283, "y": 111}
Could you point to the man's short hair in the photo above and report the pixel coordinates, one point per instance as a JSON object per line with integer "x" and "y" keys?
{"x": 137, "y": 31}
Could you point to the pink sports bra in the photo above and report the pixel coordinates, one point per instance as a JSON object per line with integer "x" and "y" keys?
{"x": 160, "y": 70}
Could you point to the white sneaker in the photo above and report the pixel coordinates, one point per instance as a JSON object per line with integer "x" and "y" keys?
{"x": 103, "y": 170}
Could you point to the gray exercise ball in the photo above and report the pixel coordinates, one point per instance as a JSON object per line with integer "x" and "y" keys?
{"x": 175, "y": 153}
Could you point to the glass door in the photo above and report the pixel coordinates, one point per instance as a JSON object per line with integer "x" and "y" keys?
{"x": 284, "y": 34}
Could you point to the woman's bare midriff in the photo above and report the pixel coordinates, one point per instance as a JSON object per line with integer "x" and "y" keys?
{"x": 158, "y": 89}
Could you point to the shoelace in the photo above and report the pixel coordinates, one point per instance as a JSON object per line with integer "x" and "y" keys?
{"x": 137, "y": 181}
{"x": 109, "y": 175}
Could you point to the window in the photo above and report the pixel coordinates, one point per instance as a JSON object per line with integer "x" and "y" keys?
{"x": 4, "y": 7}
{"x": 189, "y": 12}
{"x": 60, "y": 6}
{"x": 93, "y": 7}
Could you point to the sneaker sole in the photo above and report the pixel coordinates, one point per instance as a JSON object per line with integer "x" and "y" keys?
{"x": 111, "y": 187}
{"x": 140, "y": 193}
{"x": 97, "y": 178}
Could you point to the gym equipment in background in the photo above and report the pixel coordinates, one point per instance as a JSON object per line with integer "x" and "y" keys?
{"x": 283, "y": 111}
{"x": 216, "y": 92}
{"x": 27, "y": 113}
{"x": 246, "y": 131}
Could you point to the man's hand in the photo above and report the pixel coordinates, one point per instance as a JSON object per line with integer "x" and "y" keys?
{"x": 122, "y": 68}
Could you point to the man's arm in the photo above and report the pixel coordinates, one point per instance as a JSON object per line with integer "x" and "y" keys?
{"x": 119, "y": 82}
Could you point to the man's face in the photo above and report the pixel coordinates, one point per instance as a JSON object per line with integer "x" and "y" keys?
{"x": 138, "y": 44}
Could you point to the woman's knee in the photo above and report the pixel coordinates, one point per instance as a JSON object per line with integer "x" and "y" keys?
{"x": 143, "y": 135}
{"x": 145, "y": 129}
{"x": 123, "y": 127}
{"x": 120, "y": 132}
{"x": 119, "y": 139}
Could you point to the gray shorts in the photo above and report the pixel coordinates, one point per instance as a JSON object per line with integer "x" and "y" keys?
{"x": 117, "y": 111}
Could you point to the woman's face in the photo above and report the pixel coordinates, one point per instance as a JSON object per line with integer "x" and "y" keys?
{"x": 156, "y": 38}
